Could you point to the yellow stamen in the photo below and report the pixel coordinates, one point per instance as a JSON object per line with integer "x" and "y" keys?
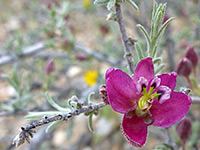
{"x": 145, "y": 102}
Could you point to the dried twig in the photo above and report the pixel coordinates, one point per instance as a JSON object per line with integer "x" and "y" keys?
{"x": 124, "y": 38}
{"x": 170, "y": 141}
{"x": 27, "y": 130}
{"x": 195, "y": 100}
{"x": 27, "y": 52}
{"x": 98, "y": 56}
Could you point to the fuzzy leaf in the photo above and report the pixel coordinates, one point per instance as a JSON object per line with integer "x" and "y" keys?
{"x": 11, "y": 82}
{"x": 56, "y": 106}
{"x": 90, "y": 124}
{"x": 153, "y": 18}
{"x": 90, "y": 97}
{"x": 163, "y": 27}
{"x": 155, "y": 49}
{"x": 111, "y": 16}
{"x": 111, "y": 5}
{"x": 53, "y": 124}
{"x": 101, "y": 2}
{"x": 139, "y": 51}
{"x": 145, "y": 35}
{"x": 132, "y": 3}
{"x": 159, "y": 68}
{"x": 157, "y": 60}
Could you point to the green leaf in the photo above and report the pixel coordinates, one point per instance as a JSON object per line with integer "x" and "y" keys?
{"x": 11, "y": 82}
{"x": 153, "y": 18}
{"x": 157, "y": 60}
{"x": 132, "y": 3}
{"x": 155, "y": 6}
{"x": 111, "y": 5}
{"x": 163, "y": 27}
{"x": 53, "y": 11}
{"x": 155, "y": 50}
{"x": 139, "y": 51}
{"x": 159, "y": 68}
{"x": 101, "y": 2}
{"x": 111, "y": 16}
{"x": 157, "y": 25}
{"x": 52, "y": 125}
{"x": 56, "y": 106}
{"x": 39, "y": 115}
{"x": 145, "y": 35}
{"x": 90, "y": 125}
{"x": 90, "y": 97}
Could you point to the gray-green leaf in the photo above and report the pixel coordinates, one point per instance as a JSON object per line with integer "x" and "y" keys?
{"x": 90, "y": 125}
{"x": 53, "y": 124}
{"x": 56, "y": 106}
{"x": 111, "y": 5}
{"x": 101, "y": 2}
{"x": 132, "y": 3}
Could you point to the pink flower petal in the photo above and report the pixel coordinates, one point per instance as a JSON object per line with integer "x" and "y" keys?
{"x": 168, "y": 80}
{"x": 142, "y": 83}
{"x": 134, "y": 130}
{"x": 144, "y": 69}
{"x": 165, "y": 93}
{"x": 121, "y": 91}
{"x": 172, "y": 110}
{"x": 155, "y": 82}
{"x": 109, "y": 72}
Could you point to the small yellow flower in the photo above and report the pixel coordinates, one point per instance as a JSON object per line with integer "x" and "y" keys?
{"x": 91, "y": 77}
{"x": 87, "y": 4}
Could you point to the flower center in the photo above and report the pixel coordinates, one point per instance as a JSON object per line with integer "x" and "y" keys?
{"x": 145, "y": 102}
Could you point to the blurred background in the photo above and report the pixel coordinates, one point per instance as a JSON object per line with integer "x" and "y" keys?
{"x": 65, "y": 47}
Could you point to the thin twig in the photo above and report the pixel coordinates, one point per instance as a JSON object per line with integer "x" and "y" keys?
{"x": 35, "y": 50}
{"x": 195, "y": 100}
{"x": 170, "y": 141}
{"x": 124, "y": 38}
{"x": 27, "y": 130}
{"x": 98, "y": 56}
{"x": 27, "y": 52}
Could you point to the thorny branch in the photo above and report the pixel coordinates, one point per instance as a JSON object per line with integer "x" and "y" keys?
{"x": 28, "y": 129}
{"x": 124, "y": 38}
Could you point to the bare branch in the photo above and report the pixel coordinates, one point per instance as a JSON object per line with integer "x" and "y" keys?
{"x": 98, "y": 56}
{"x": 124, "y": 37}
{"x": 27, "y": 52}
{"x": 27, "y": 130}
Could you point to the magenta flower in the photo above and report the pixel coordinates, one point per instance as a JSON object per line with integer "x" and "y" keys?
{"x": 145, "y": 99}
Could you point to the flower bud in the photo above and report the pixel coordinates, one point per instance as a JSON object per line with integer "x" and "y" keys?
{"x": 184, "y": 129}
{"x": 104, "y": 29}
{"x": 81, "y": 57}
{"x": 49, "y": 67}
{"x": 103, "y": 94}
{"x": 184, "y": 67}
{"x": 165, "y": 19}
{"x": 192, "y": 55}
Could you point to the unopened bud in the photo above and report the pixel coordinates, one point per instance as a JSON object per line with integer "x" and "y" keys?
{"x": 104, "y": 29}
{"x": 184, "y": 129}
{"x": 165, "y": 19}
{"x": 81, "y": 57}
{"x": 192, "y": 55}
{"x": 103, "y": 94}
{"x": 184, "y": 67}
{"x": 49, "y": 67}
